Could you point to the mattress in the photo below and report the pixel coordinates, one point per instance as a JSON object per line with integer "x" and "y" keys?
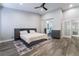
{"x": 33, "y": 37}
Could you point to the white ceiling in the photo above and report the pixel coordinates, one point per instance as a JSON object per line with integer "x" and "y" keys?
{"x": 30, "y": 6}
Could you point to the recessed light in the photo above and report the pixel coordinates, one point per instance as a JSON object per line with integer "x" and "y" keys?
{"x": 70, "y": 5}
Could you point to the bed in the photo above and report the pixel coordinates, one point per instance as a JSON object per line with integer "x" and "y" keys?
{"x": 29, "y": 36}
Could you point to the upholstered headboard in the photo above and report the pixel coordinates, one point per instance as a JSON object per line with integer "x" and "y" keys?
{"x": 17, "y": 32}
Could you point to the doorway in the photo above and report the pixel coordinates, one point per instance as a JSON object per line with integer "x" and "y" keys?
{"x": 49, "y": 26}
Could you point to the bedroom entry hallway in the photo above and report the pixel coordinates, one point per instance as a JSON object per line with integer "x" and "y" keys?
{"x": 62, "y": 47}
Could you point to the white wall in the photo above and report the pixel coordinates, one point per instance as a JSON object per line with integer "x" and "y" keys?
{"x": 0, "y": 22}
{"x": 11, "y": 19}
{"x": 56, "y": 15}
{"x": 71, "y": 13}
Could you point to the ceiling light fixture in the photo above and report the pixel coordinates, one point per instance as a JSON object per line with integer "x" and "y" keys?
{"x": 41, "y": 9}
{"x": 21, "y": 3}
{"x": 70, "y": 5}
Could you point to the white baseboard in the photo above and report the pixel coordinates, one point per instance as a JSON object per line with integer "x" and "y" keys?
{"x": 6, "y": 40}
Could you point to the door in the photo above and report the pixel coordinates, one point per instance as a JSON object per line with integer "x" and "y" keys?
{"x": 67, "y": 29}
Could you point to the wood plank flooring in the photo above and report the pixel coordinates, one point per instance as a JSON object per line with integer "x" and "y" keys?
{"x": 61, "y": 47}
{"x": 8, "y": 49}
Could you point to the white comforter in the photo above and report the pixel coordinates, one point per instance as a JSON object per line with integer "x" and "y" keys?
{"x": 33, "y": 37}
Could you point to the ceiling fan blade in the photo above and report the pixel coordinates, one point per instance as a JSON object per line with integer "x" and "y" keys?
{"x": 45, "y": 8}
{"x": 43, "y": 4}
{"x": 37, "y": 7}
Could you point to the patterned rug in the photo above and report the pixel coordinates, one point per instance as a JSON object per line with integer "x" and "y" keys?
{"x": 22, "y": 49}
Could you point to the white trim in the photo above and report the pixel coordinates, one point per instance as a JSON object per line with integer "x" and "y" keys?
{"x": 6, "y": 40}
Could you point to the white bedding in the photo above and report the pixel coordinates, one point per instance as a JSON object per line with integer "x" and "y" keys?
{"x": 33, "y": 37}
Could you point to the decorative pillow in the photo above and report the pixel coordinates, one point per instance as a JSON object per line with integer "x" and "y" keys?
{"x": 32, "y": 31}
{"x": 23, "y": 32}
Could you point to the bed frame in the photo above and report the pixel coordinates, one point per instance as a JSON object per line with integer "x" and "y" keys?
{"x": 17, "y": 32}
{"x": 17, "y": 36}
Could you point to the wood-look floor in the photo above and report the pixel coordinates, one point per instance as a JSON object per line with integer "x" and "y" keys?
{"x": 61, "y": 47}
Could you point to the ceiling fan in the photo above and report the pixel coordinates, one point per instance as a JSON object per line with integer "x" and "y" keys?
{"x": 42, "y": 6}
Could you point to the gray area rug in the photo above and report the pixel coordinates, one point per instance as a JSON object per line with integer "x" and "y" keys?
{"x": 22, "y": 49}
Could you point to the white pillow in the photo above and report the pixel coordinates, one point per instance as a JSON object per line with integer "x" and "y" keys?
{"x": 23, "y": 32}
{"x": 32, "y": 31}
